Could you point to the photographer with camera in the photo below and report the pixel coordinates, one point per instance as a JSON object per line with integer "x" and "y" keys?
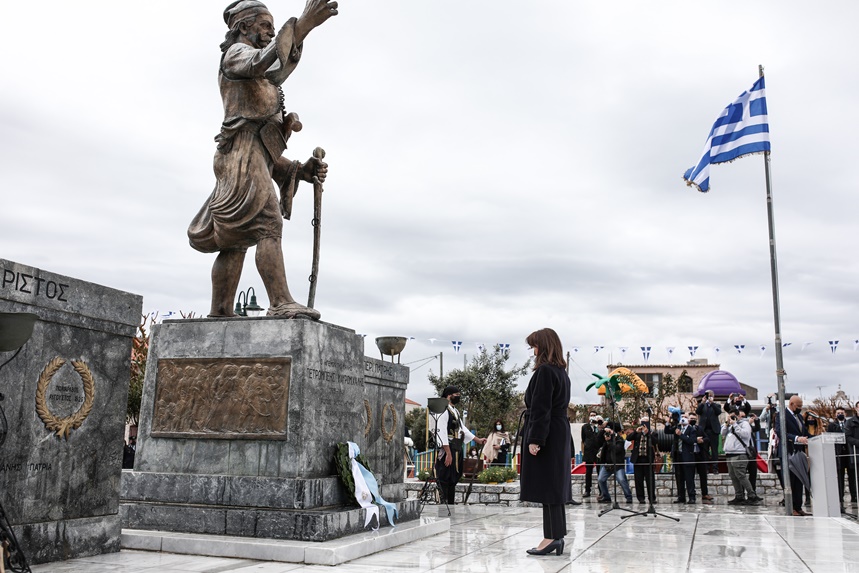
{"x": 738, "y": 436}
{"x": 736, "y": 403}
{"x": 708, "y": 421}
{"x": 612, "y": 456}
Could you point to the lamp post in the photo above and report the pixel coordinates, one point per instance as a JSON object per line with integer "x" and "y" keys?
{"x": 245, "y": 308}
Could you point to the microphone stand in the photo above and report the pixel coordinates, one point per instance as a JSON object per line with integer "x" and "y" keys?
{"x": 614, "y": 503}
{"x": 651, "y": 481}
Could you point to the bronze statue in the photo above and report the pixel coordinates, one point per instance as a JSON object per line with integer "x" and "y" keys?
{"x": 243, "y": 210}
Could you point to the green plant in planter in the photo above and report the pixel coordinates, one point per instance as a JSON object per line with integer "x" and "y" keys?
{"x": 491, "y": 475}
{"x": 423, "y": 475}
{"x": 510, "y": 474}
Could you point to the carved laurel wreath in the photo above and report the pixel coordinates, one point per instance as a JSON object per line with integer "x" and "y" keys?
{"x": 389, "y": 435}
{"x": 63, "y": 426}
{"x": 369, "y": 418}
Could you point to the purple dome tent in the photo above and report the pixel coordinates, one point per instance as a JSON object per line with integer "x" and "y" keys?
{"x": 721, "y": 383}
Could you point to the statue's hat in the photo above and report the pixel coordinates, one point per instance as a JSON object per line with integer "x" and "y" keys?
{"x": 241, "y": 9}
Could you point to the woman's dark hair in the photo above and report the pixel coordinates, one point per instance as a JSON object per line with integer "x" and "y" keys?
{"x": 549, "y": 348}
{"x": 495, "y": 423}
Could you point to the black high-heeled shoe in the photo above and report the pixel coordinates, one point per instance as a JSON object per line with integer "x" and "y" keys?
{"x": 557, "y": 545}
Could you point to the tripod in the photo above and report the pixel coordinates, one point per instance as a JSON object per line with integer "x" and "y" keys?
{"x": 614, "y": 470}
{"x": 651, "y": 482}
{"x": 431, "y": 489}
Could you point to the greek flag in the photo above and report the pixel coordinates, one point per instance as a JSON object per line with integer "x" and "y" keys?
{"x": 741, "y": 129}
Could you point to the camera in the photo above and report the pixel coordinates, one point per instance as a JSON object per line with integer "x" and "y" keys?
{"x": 770, "y": 400}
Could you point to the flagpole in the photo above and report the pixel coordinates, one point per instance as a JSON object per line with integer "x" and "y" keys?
{"x": 779, "y": 358}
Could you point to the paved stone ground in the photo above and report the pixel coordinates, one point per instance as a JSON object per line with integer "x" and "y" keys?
{"x": 715, "y": 538}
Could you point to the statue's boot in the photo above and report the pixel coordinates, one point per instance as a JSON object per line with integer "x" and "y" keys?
{"x": 293, "y": 310}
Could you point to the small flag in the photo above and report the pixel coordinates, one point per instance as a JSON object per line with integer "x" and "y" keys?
{"x": 763, "y": 349}
{"x": 598, "y": 348}
{"x": 576, "y": 349}
{"x": 432, "y": 340}
{"x": 645, "y": 351}
{"x": 833, "y": 344}
{"x": 623, "y": 350}
{"x": 740, "y": 348}
{"x": 481, "y": 347}
{"x": 786, "y": 344}
{"x": 855, "y": 345}
{"x": 716, "y": 351}
{"x": 806, "y": 345}
{"x": 457, "y": 345}
{"x": 692, "y": 350}
{"x": 741, "y": 129}
{"x": 504, "y": 347}
{"x": 670, "y": 350}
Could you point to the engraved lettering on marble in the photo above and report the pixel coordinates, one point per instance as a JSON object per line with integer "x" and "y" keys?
{"x": 221, "y": 398}
{"x": 29, "y": 284}
{"x": 63, "y": 395}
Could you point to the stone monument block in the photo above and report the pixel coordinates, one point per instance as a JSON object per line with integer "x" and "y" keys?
{"x": 65, "y": 403}
{"x": 239, "y": 423}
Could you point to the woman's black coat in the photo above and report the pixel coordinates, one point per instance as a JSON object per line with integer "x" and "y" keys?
{"x": 545, "y": 478}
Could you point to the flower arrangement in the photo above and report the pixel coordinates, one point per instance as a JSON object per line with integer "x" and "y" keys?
{"x": 344, "y": 467}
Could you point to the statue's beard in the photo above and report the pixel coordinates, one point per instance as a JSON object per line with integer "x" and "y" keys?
{"x": 257, "y": 41}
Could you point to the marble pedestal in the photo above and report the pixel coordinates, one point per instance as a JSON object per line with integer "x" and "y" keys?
{"x": 239, "y": 423}
{"x": 61, "y": 489}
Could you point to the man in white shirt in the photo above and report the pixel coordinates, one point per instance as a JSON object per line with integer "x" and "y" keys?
{"x": 450, "y": 435}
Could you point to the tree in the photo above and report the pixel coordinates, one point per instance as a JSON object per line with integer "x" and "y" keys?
{"x": 416, "y": 422}
{"x": 488, "y": 389}
{"x": 139, "y": 354}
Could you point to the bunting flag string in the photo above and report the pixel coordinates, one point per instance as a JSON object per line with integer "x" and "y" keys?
{"x": 715, "y": 351}
{"x": 645, "y": 352}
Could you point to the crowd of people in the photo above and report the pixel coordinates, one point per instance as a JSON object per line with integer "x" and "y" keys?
{"x": 693, "y": 439}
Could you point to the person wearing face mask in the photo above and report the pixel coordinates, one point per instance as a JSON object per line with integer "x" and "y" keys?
{"x": 702, "y": 456}
{"x": 545, "y": 476}
{"x": 738, "y": 435}
{"x": 642, "y": 456}
{"x": 843, "y": 459}
{"x": 851, "y": 432}
{"x": 685, "y": 444}
{"x": 708, "y": 416}
{"x": 591, "y": 444}
{"x": 497, "y": 445}
{"x": 451, "y": 434}
{"x": 797, "y": 441}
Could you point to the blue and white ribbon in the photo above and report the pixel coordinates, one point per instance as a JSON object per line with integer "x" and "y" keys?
{"x": 367, "y": 490}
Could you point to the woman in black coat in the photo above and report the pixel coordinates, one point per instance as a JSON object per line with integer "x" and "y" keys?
{"x": 545, "y": 474}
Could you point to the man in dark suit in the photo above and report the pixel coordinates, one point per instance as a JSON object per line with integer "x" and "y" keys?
{"x": 843, "y": 459}
{"x": 851, "y": 430}
{"x": 708, "y": 420}
{"x": 797, "y": 441}
{"x": 702, "y": 459}
{"x": 591, "y": 444}
{"x": 685, "y": 442}
{"x": 642, "y": 456}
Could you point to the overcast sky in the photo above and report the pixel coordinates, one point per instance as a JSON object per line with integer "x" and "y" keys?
{"x": 495, "y": 168}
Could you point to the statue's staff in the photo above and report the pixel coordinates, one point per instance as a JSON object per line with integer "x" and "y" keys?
{"x": 319, "y": 154}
